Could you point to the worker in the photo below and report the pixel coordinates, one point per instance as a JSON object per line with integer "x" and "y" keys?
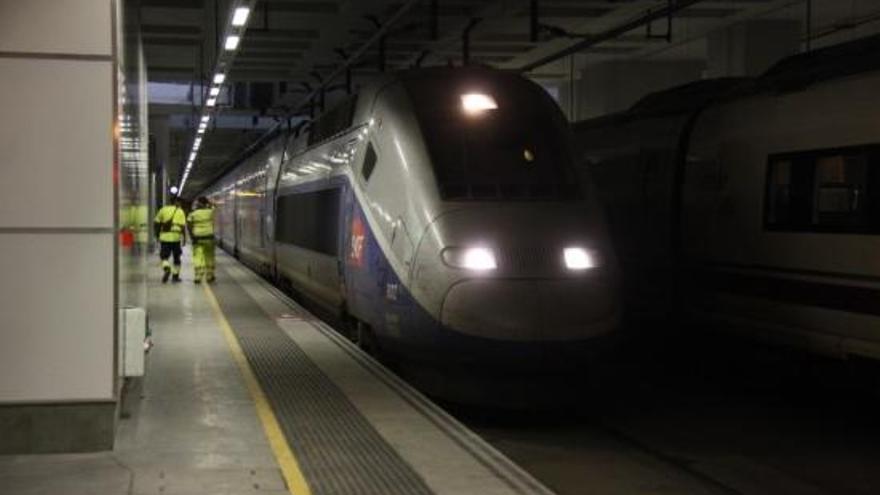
{"x": 169, "y": 225}
{"x": 201, "y": 229}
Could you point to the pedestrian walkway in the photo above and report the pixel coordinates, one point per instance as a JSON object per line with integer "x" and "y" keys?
{"x": 245, "y": 392}
{"x": 189, "y": 428}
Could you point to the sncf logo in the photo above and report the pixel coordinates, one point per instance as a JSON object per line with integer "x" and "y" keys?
{"x": 358, "y": 238}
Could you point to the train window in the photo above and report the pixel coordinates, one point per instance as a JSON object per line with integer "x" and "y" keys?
{"x": 369, "y": 162}
{"x": 832, "y": 190}
{"x": 518, "y": 151}
{"x": 309, "y": 220}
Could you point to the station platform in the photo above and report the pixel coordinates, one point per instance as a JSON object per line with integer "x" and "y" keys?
{"x": 246, "y": 392}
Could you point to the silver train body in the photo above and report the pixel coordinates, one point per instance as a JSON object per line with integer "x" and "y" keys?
{"x": 437, "y": 229}
{"x": 753, "y": 206}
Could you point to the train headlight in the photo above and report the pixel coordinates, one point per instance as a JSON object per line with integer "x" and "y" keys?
{"x": 475, "y": 258}
{"x": 578, "y": 258}
{"x": 477, "y": 103}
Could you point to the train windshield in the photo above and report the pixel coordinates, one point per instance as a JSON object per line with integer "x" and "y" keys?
{"x": 510, "y": 146}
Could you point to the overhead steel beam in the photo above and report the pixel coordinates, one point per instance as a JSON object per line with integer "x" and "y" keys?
{"x": 309, "y": 99}
{"x": 378, "y": 35}
{"x": 434, "y": 20}
{"x": 344, "y": 56}
{"x": 669, "y": 10}
{"x": 466, "y": 40}
{"x": 534, "y": 23}
{"x": 422, "y": 57}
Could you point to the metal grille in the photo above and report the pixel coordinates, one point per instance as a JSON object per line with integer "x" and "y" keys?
{"x": 530, "y": 260}
{"x": 338, "y": 450}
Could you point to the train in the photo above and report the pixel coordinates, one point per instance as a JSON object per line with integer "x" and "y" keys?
{"x": 751, "y": 206}
{"x": 439, "y": 214}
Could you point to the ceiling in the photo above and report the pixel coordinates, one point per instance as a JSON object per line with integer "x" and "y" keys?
{"x": 296, "y": 44}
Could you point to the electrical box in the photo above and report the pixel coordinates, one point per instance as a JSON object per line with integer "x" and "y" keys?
{"x": 132, "y": 333}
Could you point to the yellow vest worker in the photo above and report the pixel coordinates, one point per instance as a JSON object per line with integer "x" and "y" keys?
{"x": 201, "y": 228}
{"x": 169, "y": 224}
{"x": 140, "y": 219}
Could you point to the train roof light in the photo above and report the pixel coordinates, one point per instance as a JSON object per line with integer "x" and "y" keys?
{"x": 232, "y": 42}
{"x": 211, "y": 102}
{"x": 477, "y": 103}
{"x": 219, "y": 78}
{"x": 578, "y": 258}
{"x": 214, "y": 91}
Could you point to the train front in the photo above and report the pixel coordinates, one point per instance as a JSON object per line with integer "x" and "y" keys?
{"x": 516, "y": 267}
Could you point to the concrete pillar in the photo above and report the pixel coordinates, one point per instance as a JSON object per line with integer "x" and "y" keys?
{"x": 160, "y": 130}
{"x": 60, "y": 172}
{"x": 749, "y": 48}
{"x": 613, "y": 86}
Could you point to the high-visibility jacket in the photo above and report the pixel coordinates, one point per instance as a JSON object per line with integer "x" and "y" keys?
{"x": 139, "y": 222}
{"x": 171, "y": 221}
{"x": 201, "y": 222}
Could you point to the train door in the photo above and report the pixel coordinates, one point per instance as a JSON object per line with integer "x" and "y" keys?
{"x": 357, "y": 282}
{"x": 236, "y": 221}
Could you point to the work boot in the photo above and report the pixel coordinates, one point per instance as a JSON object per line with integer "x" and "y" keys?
{"x": 175, "y": 278}
{"x": 166, "y": 275}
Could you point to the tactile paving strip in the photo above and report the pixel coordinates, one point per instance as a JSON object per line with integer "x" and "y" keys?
{"x": 338, "y": 450}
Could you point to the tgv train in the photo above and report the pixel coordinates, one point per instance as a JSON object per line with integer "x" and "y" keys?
{"x": 753, "y": 206}
{"x": 439, "y": 212}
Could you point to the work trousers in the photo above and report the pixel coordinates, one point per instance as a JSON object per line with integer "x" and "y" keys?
{"x": 203, "y": 258}
{"x": 168, "y": 249}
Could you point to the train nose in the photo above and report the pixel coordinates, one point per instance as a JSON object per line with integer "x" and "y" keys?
{"x": 571, "y": 309}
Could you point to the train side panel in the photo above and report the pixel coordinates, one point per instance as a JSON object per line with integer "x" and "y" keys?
{"x": 781, "y": 196}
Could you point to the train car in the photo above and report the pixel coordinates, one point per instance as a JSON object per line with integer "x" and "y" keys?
{"x": 632, "y": 156}
{"x": 771, "y": 195}
{"x": 439, "y": 213}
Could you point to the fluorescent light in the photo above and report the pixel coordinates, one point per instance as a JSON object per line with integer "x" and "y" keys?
{"x": 205, "y": 119}
{"x": 211, "y": 102}
{"x": 477, "y": 103}
{"x": 174, "y": 189}
{"x": 577, "y": 258}
{"x": 214, "y": 91}
{"x": 232, "y": 42}
{"x": 219, "y": 78}
{"x": 239, "y": 18}
{"x": 201, "y": 130}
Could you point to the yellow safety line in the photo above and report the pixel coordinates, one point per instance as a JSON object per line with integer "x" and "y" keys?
{"x": 296, "y": 482}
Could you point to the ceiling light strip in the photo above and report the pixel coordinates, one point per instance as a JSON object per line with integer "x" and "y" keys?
{"x": 235, "y": 28}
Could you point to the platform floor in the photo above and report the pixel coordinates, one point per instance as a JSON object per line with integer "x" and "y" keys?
{"x": 246, "y": 392}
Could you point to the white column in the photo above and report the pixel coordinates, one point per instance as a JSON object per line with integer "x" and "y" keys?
{"x": 57, "y": 226}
